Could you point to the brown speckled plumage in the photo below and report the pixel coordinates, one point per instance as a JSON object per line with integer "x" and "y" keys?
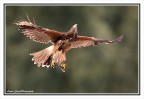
{"x": 62, "y": 42}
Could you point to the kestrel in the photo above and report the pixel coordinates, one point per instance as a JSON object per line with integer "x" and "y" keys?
{"x": 62, "y": 42}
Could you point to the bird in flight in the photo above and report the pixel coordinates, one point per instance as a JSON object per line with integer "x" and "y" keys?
{"x": 62, "y": 42}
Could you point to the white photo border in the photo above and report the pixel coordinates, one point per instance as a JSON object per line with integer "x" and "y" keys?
{"x": 140, "y": 69}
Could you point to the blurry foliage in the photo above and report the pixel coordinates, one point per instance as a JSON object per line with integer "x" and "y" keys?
{"x": 101, "y": 69}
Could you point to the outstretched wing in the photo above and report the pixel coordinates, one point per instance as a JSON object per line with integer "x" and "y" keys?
{"x": 84, "y": 41}
{"x": 37, "y": 33}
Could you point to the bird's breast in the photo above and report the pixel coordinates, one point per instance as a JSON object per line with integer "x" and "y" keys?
{"x": 64, "y": 44}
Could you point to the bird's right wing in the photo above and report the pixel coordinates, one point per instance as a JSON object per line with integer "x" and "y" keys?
{"x": 37, "y": 33}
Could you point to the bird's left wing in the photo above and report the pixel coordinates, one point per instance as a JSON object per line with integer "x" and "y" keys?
{"x": 84, "y": 41}
{"x": 37, "y": 33}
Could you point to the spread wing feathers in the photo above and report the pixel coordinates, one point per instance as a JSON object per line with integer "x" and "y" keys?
{"x": 84, "y": 41}
{"x": 37, "y": 33}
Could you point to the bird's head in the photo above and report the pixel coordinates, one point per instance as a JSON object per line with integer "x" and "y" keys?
{"x": 74, "y": 29}
{"x": 73, "y": 32}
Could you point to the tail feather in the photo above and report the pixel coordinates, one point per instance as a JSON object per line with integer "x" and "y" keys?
{"x": 50, "y": 57}
{"x": 41, "y": 56}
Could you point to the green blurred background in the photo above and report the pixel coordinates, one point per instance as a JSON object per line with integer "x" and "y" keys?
{"x": 102, "y": 69}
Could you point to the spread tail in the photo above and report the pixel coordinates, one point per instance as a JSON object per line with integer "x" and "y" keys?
{"x": 42, "y": 56}
{"x": 47, "y": 57}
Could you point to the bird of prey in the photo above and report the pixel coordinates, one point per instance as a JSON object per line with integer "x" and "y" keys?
{"x": 62, "y": 42}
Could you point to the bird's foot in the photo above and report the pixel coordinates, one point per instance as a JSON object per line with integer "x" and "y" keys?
{"x": 63, "y": 65}
{"x": 53, "y": 63}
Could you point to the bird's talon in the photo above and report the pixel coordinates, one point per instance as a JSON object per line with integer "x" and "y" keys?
{"x": 63, "y": 65}
{"x": 53, "y": 63}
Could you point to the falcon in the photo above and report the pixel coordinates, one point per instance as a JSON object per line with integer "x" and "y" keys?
{"x": 62, "y": 42}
